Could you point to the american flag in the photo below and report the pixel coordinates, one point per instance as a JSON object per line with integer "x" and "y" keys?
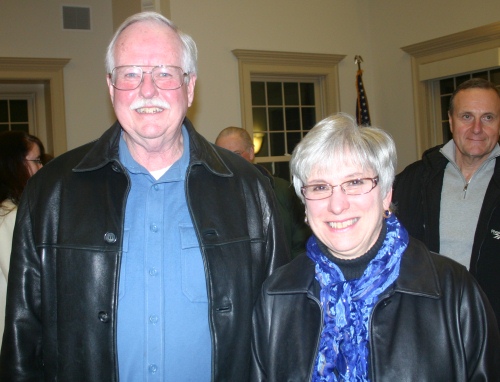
{"x": 362, "y": 111}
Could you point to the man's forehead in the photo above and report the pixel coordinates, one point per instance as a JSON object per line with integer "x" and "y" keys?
{"x": 474, "y": 96}
{"x": 146, "y": 33}
{"x": 231, "y": 142}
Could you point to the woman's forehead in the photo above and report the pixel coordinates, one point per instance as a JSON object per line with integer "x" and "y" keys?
{"x": 340, "y": 166}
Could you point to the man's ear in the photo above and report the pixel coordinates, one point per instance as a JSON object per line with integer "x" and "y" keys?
{"x": 190, "y": 89}
{"x": 251, "y": 152}
{"x": 110, "y": 88}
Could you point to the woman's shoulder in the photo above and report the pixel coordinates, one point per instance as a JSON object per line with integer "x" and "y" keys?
{"x": 297, "y": 275}
{"x": 423, "y": 271}
{"x": 7, "y": 207}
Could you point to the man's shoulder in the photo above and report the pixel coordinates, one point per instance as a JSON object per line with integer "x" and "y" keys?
{"x": 67, "y": 161}
{"x": 88, "y": 156}
{"x": 432, "y": 160}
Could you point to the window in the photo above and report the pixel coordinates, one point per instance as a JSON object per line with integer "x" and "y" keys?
{"x": 48, "y": 74}
{"x": 282, "y": 112}
{"x": 16, "y": 113}
{"x": 282, "y": 96}
{"x": 456, "y": 55}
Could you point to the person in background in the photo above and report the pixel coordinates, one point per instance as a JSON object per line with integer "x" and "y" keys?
{"x": 140, "y": 256}
{"x": 238, "y": 141}
{"x": 450, "y": 199}
{"x": 367, "y": 302}
{"x": 20, "y": 155}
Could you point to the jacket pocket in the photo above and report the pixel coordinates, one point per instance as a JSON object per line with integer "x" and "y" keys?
{"x": 194, "y": 285}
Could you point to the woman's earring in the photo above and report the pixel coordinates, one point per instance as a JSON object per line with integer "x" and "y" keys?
{"x": 387, "y": 214}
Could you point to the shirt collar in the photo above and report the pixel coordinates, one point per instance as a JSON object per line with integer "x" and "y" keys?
{"x": 176, "y": 172}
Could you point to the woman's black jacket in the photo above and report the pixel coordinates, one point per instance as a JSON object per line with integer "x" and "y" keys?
{"x": 433, "y": 324}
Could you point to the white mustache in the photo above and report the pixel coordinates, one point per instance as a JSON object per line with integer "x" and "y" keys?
{"x": 154, "y": 102}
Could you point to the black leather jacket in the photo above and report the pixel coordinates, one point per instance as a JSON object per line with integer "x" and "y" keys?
{"x": 417, "y": 195}
{"x": 63, "y": 284}
{"x": 433, "y": 324}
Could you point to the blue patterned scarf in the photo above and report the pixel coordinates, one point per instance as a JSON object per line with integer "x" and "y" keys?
{"x": 347, "y": 306}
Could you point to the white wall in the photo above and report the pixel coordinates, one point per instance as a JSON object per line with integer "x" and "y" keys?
{"x": 33, "y": 28}
{"x": 220, "y": 26}
{"x": 375, "y": 29}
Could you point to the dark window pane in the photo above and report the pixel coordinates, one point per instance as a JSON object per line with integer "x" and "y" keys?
{"x": 447, "y": 86}
{"x": 308, "y": 118}
{"x": 291, "y": 93}
{"x": 277, "y": 141}
{"x": 259, "y": 119}
{"x": 495, "y": 76}
{"x": 4, "y": 111}
{"x": 282, "y": 170}
{"x": 274, "y": 93}
{"x": 4, "y": 127}
{"x": 18, "y": 110}
{"x": 21, "y": 127}
{"x": 276, "y": 122}
{"x": 483, "y": 75}
{"x": 445, "y": 102}
{"x": 258, "y": 93}
{"x": 292, "y": 118}
{"x": 446, "y": 131}
{"x": 264, "y": 148}
{"x": 307, "y": 93}
{"x": 292, "y": 139}
{"x": 461, "y": 79}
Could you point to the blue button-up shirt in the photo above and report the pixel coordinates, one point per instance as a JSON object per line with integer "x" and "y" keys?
{"x": 162, "y": 330}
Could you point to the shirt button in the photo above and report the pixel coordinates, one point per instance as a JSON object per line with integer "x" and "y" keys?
{"x": 153, "y": 319}
{"x": 155, "y": 187}
{"x": 153, "y": 227}
{"x": 153, "y": 271}
{"x": 153, "y": 368}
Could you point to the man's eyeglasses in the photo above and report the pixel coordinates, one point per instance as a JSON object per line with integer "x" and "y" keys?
{"x": 37, "y": 161}
{"x": 351, "y": 187}
{"x": 165, "y": 77}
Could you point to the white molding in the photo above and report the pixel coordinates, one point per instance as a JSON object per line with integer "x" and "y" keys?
{"x": 50, "y": 72}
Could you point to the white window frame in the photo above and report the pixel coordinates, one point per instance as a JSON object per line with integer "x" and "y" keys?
{"x": 259, "y": 64}
{"x": 50, "y": 73}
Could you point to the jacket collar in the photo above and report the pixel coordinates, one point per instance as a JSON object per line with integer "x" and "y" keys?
{"x": 417, "y": 276}
{"x": 435, "y": 160}
{"x": 105, "y": 150}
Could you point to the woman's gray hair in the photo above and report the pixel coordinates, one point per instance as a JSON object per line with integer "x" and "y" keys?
{"x": 189, "y": 54}
{"x": 338, "y": 140}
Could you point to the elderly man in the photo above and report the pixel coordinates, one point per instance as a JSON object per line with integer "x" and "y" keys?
{"x": 140, "y": 255}
{"x": 451, "y": 198}
{"x": 238, "y": 140}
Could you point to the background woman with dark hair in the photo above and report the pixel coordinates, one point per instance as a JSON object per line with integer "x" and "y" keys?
{"x": 20, "y": 155}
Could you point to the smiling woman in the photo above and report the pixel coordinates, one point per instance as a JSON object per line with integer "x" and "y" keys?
{"x": 334, "y": 299}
